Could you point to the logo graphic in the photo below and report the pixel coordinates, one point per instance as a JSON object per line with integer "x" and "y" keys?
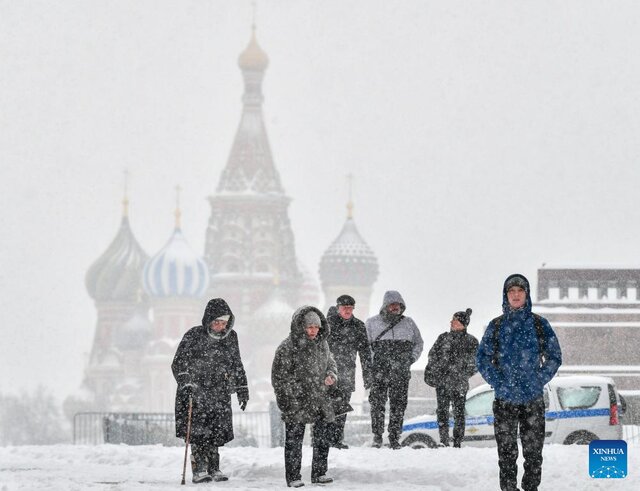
{"x": 608, "y": 459}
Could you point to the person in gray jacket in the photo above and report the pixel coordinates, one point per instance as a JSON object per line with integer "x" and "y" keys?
{"x": 396, "y": 344}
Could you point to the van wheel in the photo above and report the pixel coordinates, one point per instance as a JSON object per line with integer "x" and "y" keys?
{"x": 418, "y": 441}
{"x": 580, "y": 438}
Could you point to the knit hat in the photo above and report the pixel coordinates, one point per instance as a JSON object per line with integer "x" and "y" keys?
{"x": 223, "y": 318}
{"x": 517, "y": 280}
{"x": 345, "y": 300}
{"x": 311, "y": 318}
{"x": 463, "y": 317}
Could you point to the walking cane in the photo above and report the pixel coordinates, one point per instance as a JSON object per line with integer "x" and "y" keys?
{"x": 186, "y": 447}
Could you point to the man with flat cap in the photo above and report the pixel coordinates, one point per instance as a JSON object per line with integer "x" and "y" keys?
{"x": 348, "y": 338}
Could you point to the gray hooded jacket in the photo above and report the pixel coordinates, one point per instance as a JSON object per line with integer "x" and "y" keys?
{"x": 404, "y": 331}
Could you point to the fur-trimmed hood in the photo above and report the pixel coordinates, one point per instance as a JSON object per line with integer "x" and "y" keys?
{"x": 298, "y": 333}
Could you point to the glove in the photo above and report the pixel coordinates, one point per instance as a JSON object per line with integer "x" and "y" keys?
{"x": 188, "y": 389}
{"x": 243, "y": 397}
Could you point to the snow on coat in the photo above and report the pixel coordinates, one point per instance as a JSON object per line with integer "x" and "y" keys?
{"x": 299, "y": 369}
{"x": 518, "y": 377}
{"x": 452, "y": 360}
{"x": 398, "y": 348}
{"x": 347, "y": 339}
{"x": 213, "y": 364}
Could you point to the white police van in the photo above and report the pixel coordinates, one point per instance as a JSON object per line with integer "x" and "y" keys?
{"x": 578, "y": 409}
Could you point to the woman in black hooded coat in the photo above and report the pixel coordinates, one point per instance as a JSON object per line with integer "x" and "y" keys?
{"x": 303, "y": 370}
{"x": 208, "y": 369}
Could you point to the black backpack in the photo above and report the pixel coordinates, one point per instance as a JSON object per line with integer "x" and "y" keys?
{"x": 542, "y": 345}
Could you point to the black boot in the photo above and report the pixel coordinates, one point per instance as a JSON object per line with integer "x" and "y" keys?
{"x": 214, "y": 465}
{"x": 199, "y": 464}
{"x": 394, "y": 444}
{"x": 377, "y": 441}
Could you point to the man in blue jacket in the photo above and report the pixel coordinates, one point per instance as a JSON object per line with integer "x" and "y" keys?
{"x": 519, "y": 353}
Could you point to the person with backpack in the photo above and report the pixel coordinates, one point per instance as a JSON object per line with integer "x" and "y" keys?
{"x": 519, "y": 353}
{"x": 396, "y": 344}
{"x": 452, "y": 361}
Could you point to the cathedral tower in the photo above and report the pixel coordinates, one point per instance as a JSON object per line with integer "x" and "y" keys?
{"x": 114, "y": 281}
{"x": 349, "y": 266}
{"x": 176, "y": 280}
{"x": 249, "y": 240}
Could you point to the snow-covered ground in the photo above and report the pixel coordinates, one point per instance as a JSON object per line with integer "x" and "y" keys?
{"x": 121, "y": 467}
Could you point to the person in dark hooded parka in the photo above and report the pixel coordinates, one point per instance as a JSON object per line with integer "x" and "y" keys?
{"x": 519, "y": 354}
{"x": 452, "y": 361}
{"x": 303, "y": 370}
{"x": 208, "y": 369}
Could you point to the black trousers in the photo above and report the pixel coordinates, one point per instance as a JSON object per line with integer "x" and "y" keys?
{"x": 341, "y": 420}
{"x": 529, "y": 420}
{"x": 397, "y": 390}
{"x": 294, "y": 434}
{"x": 446, "y": 397}
{"x": 205, "y": 455}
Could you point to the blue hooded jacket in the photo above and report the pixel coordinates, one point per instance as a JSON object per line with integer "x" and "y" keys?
{"x": 518, "y": 377}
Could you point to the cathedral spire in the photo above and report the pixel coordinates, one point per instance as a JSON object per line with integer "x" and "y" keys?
{"x": 350, "y": 202}
{"x": 125, "y": 199}
{"x": 178, "y": 213}
{"x": 249, "y": 237}
{"x": 250, "y": 168}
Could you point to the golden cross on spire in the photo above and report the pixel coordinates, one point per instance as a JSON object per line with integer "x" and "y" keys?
{"x": 177, "y": 212}
{"x": 350, "y": 202}
{"x": 125, "y": 199}
{"x": 253, "y": 19}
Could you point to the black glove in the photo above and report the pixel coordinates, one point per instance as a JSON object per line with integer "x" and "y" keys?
{"x": 243, "y": 397}
{"x": 188, "y": 389}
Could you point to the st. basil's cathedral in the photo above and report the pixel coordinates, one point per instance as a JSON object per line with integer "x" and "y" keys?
{"x": 146, "y": 303}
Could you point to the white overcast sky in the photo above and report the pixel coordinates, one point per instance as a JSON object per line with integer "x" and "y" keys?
{"x": 485, "y": 138}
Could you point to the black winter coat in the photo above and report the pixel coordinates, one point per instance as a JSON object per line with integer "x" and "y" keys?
{"x": 214, "y": 365}
{"x": 347, "y": 339}
{"x": 299, "y": 369}
{"x": 452, "y": 360}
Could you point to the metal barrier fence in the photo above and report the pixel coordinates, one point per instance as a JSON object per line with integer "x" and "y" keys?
{"x": 255, "y": 429}
{"x": 93, "y": 428}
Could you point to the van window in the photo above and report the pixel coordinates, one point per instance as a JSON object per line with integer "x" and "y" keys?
{"x": 546, "y": 398}
{"x": 480, "y": 405}
{"x": 578, "y": 397}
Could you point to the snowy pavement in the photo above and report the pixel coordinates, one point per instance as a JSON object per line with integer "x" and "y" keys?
{"x": 121, "y": 467}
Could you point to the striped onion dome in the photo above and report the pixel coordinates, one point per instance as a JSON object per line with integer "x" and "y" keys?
{"x": 349, "y": 260}
{"x": 115, "y": 275}
{"x": 176, "y": 271}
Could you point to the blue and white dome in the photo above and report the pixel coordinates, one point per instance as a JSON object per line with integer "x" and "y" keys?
{"x": 176, "y": 271}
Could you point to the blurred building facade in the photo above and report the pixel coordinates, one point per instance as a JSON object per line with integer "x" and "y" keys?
{"x": 595, "y": 313}
{"x": 145, "y": 304}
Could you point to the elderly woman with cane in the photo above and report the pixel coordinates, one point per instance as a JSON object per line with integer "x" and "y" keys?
{"x": 208, "y": 369}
